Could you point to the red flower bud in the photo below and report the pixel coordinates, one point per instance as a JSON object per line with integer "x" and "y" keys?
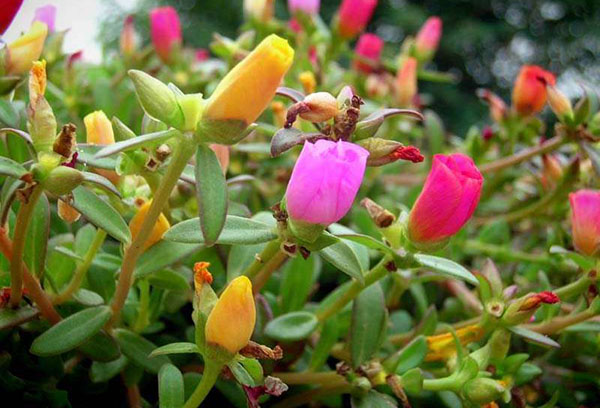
{"x": 529, "y": 93}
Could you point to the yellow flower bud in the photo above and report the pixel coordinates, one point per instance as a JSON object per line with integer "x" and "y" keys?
{"x": 321, "y": 106}
{"x": 98, "y": 128}
{"x": 261, "y": 10}
{"x": 160, "y": 227}
{"x": 37, "y": 80}
{"x": 27, "y": 48}
{"x": 559, "y": 103}
{"x": 442, "y": 346}
{"x": 249, "y": 87}
{"x": 308, "y": 81}
{"x": 231, "y": 322}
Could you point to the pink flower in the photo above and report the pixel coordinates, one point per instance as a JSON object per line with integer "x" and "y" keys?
{"x": 369, "y": 46}
{"x": 47, "y": 15}
{"x": 353, "y": 16}
{"x": 310, "y": 7}
{"x": 165, "y": 32}
{"x": 428, "y": 38}
{"x": 202, "y": 54}
{"x": 128, "y": 41}
{"x": 325, "y": 181}
{"x": 449, "y": 198}
{"x": 585, "y": 217}
{"x": 8, "y": 11}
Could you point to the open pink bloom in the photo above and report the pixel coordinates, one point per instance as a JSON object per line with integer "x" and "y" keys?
{"x": 310, "y": 7}
{"x": 325, "y": 181}
{"x": 369, "y": 46}
{"x": 8, "y": 11}
{"x": 585, "y": 217}
{"x": 428, "y": 38}
{"x": 165, "y": 32}
{"x": 449, "y": 198}
{"x": 47, "y": 15}
{"x": 354, "y": 15}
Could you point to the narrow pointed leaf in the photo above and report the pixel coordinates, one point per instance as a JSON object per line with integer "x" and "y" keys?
{"x": 38, "y": 231}
{"x": 138, "y": 349}
{"x": 534, "y": 337}
{"x": 101, "y": 182}
{"x": 86, "y": 154}
{"x": 161, "y": 255}
{"x": 11, "y": 168}
{"x": 368, "y": 327}
{"x": 446, "y": 267}
{"x": 343, "y": 257}
{"x": 170, "y": 387}
{"x": 149, "y": 139}
{"x": 176, "y": 348}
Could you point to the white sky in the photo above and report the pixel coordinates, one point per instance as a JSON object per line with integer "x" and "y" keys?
{"x": 81, "y": 16}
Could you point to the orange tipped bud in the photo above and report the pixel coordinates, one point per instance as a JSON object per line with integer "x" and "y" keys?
{"x": 160, "y": 227}
{"x": 406, "y": 82}
{"x": 98, "y": 128}
{"x": 37, "y": 80}
{"x": 231, "y": 322}
{"x": 201, "y": 275}
{"x": 552, "y": 171}
{"x": 128, "y": 40}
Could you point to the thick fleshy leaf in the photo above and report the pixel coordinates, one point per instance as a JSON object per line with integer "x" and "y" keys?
{"x": 327, "y": 339}
{"x": 38, "y": 231}
{"x": 342, "y": 256}
{"x": 169, "y": 280}
{"x": 534, "y": 337}
{"x": 170, "y": 387}
{"x": 101, "y": 372}
{"x": 101, "y": 182}
{"x": 71, "y": 332}
{"x": 101, "y": 347}
{"x": 211, "y": 194}
{"x": 11, "y": 168}
{"x": 9, "y": 115}
{"x": 162, "y": 254}
{"x": 373, "y": 399}
{"x": 176, "y": 348}
{"x": 138, "y": 350}
{"x": 292, "y": 94}
{"x": 446, "y": 267}
{"x": 292, "y": 326}
{"x": 286, "y": 138}
{"x": 368, "y": 327}
{"x": 369, "y": 125}
{"x": 14, "y": 317}
{"x": 297, "y": 280}
{"x": 149, "y": 139}
{"x": 23, "y": 135}
{"x": 101, "y": 214}
{"x": 410, "y": 356}
{"x": 87, "y": 156}
{"x": 236, "y": 231}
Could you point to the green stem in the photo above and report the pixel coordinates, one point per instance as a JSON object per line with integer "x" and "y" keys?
{"x": 82, "y": 268}
{"x": 261, "y": 259}
{"x": 440, "y": 384}
{"x": 352, "y": 291}
{"x": 183, "y": 153}
{"x": 562, "y": 322}
{"x": 261, "y": 278}
{"x": 211, "y": 372}
{"x": 16, "y": 261}
{"x": 574, "y": 288}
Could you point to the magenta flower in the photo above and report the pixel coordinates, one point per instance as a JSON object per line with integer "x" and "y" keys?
{"x": 449, "y": 198}
{"x": 47, "y": 15}
{"x": 325, "y": 181}
{"x": 310, "y": 7}
{"x": 585, "y": 217}
{"x": 369, "y": 46}
{"x": 353, "y": 16}
{"x": 428, "y": 38}
{"x": 165, "y": 32}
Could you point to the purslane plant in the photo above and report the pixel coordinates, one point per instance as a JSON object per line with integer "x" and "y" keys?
{"x": 224, "y": 236}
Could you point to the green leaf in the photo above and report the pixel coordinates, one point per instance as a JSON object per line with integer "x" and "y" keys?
{"x": 410, "y": 356}
{"x": 447, "y": 268}
{"x": 100, "y": 181}
{"x": 343, "y": 257}
{"x": 9, "y": 116}
{"x": 102, "y": 372}
{"x": 297, "y": 280}
{"x": 241, "y": 374}
{"x": 292, "y": 326}
{"x": 534, "y": 337}
{"x": 327, "y": 339}
{"x": 87, "y": 155}
{"x": 368, "y": 327}
{"x": 176, "y": 348}
{"x": 373, "y": 399}
{"x": 211, "y": 193}
{"x": 88, "y": 298}
{"x": 14, "y": 317}
{"x": 38, "y": 232}
{"x": 170, "y": 387}
{"x": 11, "y": 168}
{"x": 237, "y": 231}
{"x": 150, "y": 139}
{"x": 169, "y": 280}
{"x": 101, "y": 347}
{"x": 584, "y": 262}
{"x": 101, "y": 214}
{"x": 71, "y": 332}
{"x": 138, "y": 350}
{"x": 161, "y": 255}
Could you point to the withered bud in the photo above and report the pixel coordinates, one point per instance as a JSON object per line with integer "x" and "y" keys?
{"x": 162, "y": 152}
{"x": 66, "y": 212}
{"x": 201, "y": 275}
{"x": 316, "y": 107}
{"x": 66, "y": 141}
{"x": 261, "y": 352}
{"x": 380, "y": 216}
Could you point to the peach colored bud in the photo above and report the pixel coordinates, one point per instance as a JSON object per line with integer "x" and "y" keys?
{"x": 26, "y": 49}
{"x": 308, "y": 81}
{"x": 261, "y": 10}
{"x": 160, "y": 227}
{"x": 529, "y": 93}
{"x": 98, "y": 128}
{"x": 321, "y": 106}
{"x": 128, "y": 40}
{"x": 231, "y": 322}
{"x": 552, "y": 171}
{"x": 406, "y": 82}
{"x": 559, "y": 103}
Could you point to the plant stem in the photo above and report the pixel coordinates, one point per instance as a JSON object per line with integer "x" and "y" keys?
{"x": 574, "y": 288}
{"x": 375, "y": 274}
{"x": 82, "y": 268}
{"x": 41, "y": 298}
{"x": 183, "y": 152}
{"x": 211, "y": 372}
{"x": 525, "y": 154}
{"x": 261, "y": 277}
{"x": 308, "y": 377}
{"x": 439, "y": 384}
{"x": 562, "y": 322}
{"x": 261, "y": 259}
{"x": 16, "y": 261}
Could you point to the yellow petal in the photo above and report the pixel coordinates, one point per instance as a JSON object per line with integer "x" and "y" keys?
{"x": 160, "y": 227}
{"x": 98, "y": 128}
{"x": 27, "y": 48}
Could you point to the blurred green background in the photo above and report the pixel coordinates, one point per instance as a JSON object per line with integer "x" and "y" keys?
{"x": 484, "y": 42}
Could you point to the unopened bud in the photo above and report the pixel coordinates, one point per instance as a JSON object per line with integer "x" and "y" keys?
{"x": 160, "y": 227}
{"x": 37, "y": 80}
{"x": 201, "y": 276}
{"x": 62, "y": 180}
{"x": 98, "y": 129}
{"x": 483, "y": 390}
{"x": 308, "y": 81}
{"x": 521, "y": 310}
{"x": 559, "y": 103}
{"x": 121, "y": 131}
{"x": 406, "y": 82}
{"x": 380, "y": 216}
{"x": 498, "y": 109}
{"x": 552, "y": 171}
{"x": 321, "y": 106}
{"x": 67, "y": 213}
{"x": 191, "y": 107}
{"x": 128, "y": 40}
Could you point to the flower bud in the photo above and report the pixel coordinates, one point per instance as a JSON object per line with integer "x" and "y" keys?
{"x": 324, "y": 182}
{"x": 8, "y": 12}
{"x": 37, "y": 80}
{"x": 120, "y": 130}
{"x": 406, "y": 82}
{"x": 47, "y": 15}
{"x": 308, "y": 81}
{"x": 497, "y": 106}
{"x": 552, "y": 172}
{"x": 98, "y": 128}
{"x": 449, "y": 198}
{"x": 62, "y": 180}
{"x": 261, "y": 10}
{"x": 165, "y": 31}
{"x": 310, "y": 7}
{"x": 442, "y": 346}
{"x": 319, "y": 107}
{"x": 201, "y": 276}
{"x": 26, "y": 49}
{"x": 521, "y": 310}
{"x": 157, "y": 99}
{"x": 559, "y": 103}
{"x": 483, "y": 390}
{"x": 353, "y": 16}
{"x": 160, "y": 227}
{"x": 67, "y": 213}
{"x": 368, "y": 47}
{"x": 246, "y": 91}
{"x": 128, "y": 39}
{"x": 428, "y": 38}
{"x": 41, "y": 121}
{"x": 231, "y": 322}
{"x": 529, "y": 94}
{"x": 585, "y": 220}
